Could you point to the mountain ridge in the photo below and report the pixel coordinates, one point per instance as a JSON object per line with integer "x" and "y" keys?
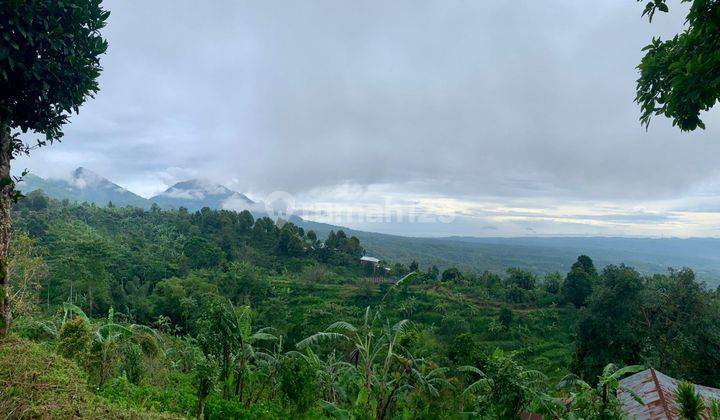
{"x": 84, "y": 185}
{"x": 195, "y": 194}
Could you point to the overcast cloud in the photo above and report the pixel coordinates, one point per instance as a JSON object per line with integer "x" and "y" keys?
{"x": 472, "y": 104}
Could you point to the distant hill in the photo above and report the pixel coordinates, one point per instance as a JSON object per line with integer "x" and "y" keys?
{"x": 196, "y": 194}
{"x": 543, "y": 255}
{"x": 83, "y": 185}
{"x": 540, "y": 255}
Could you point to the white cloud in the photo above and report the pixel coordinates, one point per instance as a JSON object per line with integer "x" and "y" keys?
{"x": 512, "y": 115}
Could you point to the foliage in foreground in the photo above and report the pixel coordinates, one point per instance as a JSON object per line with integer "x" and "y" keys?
{"x": 37, "y": 383}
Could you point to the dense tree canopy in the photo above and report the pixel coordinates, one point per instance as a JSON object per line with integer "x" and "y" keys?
{"x": 49, "y": 61}
{"x": 680, "y": 77}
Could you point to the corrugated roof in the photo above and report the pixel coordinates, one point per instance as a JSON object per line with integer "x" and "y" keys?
{"x": 657, "y": 391}
{"x": 370, "y": 259}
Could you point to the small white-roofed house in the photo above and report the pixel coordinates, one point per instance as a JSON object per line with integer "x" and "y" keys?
{"x": 370, "y": 260}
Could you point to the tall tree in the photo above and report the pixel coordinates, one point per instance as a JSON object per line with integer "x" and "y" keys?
{"x": 610, "y": 328}
{"x": 682, "y": 321}
{"x": 578, "y": 283}
{"x": 680, "y": 77}
{"x": 49, "y": 66}
{"x": 521, "y": 278}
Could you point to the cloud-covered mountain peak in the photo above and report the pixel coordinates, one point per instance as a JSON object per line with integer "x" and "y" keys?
{"x": 83, "y": 185}
{"x": 85, "y": 178}
{"x": 196, "y": 189}
{"x": 197, "y": 193}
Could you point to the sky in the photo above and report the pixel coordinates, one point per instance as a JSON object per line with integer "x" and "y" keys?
{"x": 421, "y": 118}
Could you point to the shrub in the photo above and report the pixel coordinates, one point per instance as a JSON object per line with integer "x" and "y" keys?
{"x": 505, "y": 317}
{"x": 148, "y": 344}
{"x": 133, "y": 363}
{"x": 691, "y": 404}
{"x": 298, "y": 383}
{"x": 316, "y": 274}
{"x": 220, "y": 409}
{"x": 177, "y": 396}
{"x": 74, "y": 339}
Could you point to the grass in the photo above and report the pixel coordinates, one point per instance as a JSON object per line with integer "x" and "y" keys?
{"x": 35, "y": 382}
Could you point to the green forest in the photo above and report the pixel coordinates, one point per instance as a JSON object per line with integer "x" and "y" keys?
{"x": 163, "y": 313}
{"x": 139, "y": 311}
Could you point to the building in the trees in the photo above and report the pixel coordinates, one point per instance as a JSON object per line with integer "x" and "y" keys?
{"x": 658, "y": 393}
{"x": 370, "y": 261}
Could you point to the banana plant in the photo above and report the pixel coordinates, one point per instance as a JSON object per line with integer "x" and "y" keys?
{"x": 328, "y": 371}
{"x": 505, "y": 388}
{"x": 430, "y": 380}
{"x": 381, "y": 362}
{"x": 407, "y": 279}
{"x": 250, "y": 358}
{"x": 52, "y": 327}
{"x": 601, "y": 401}
{"x": 226, "y": 333}
{"x": 109, "y": 337}
{"x": 265, "y": 369}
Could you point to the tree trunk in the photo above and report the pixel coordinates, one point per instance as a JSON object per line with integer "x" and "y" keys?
{"x": 6, "y": 193}
{"x": 201, "y": 408}
{"x": 241, "y": 380}
{"x": 90, "y": 301}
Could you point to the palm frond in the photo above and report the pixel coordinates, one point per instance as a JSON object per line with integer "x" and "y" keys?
{"x": 49, "y": 327}
{"x": 407, "y": 278}
{"x": 342, "y": 326}
{"x": 400, "y": 326}
{"x": 571, "y": 381}
{"x": 473, "y": 369}
{"x": 479, "y": 386}
{"x": 263, "y": 336}
{"x": 335, "y": 411}
{"x": 626, "y": 370}
{"x": 69, "y": 308}
{"x": 317, "y": 337}
{"x": 638, "y": 399}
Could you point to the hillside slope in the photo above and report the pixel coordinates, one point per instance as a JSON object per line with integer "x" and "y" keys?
{"x": 83, "y": 185}
{"x": 37, "y": 383}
